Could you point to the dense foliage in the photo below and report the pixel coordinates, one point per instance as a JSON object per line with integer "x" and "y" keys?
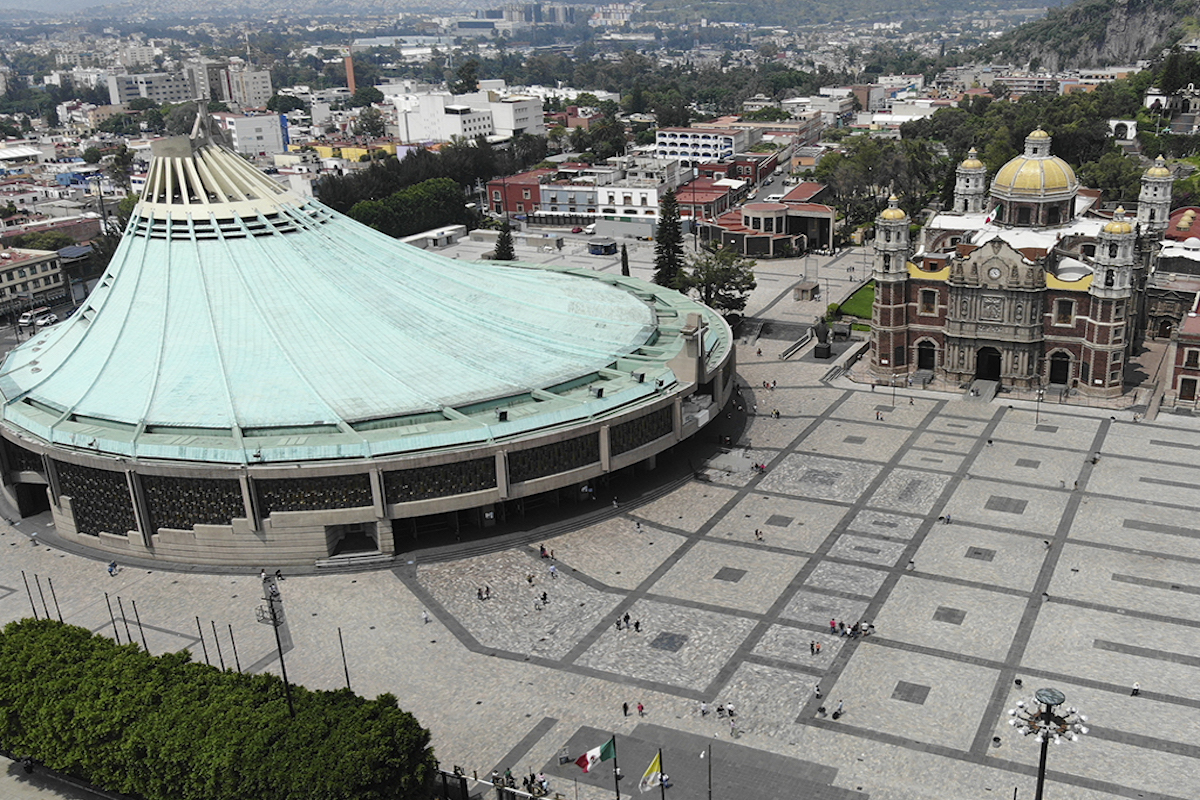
{"x": 504, "y": 245}
{"x": 723, "y": 279}
{"x": 429, "y": 204}
{"x": 165, "y": 729}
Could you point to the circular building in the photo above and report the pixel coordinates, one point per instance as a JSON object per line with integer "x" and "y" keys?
{"x": 258, "y": 379}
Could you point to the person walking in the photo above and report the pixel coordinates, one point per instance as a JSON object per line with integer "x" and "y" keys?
{"x": 641, "y": 710}
{"x": 703, "y": 709}
{"x": 1137, "y": 689}
{"x": 424, "y": 614}
{"x": 625, "y": 709}
{"x": 812, "y": 647}
{"x": 112, "y": 569}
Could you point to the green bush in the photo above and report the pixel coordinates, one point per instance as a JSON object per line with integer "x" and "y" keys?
{"x": 163, "y": 728}
{"x": 859, "y": 304}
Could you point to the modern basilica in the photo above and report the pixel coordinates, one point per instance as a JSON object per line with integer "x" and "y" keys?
{"x": 1023, "y": 284}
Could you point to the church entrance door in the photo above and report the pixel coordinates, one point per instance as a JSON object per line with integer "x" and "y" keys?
{"x": 926, "y": 356}
{"x": 1164, "y": 329}
{"x": 1060, "y": 368}
{"x": 987, "y": 364}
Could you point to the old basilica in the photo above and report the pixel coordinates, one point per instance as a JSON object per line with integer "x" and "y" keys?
{"x": 1025, "y": 285}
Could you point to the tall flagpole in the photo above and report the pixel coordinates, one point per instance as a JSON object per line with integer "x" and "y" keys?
{"x": 616, "y": 769}
{"x": 662, "y": 776}
{"x": 710, "y": 772}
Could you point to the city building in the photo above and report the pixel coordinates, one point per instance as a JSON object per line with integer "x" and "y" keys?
{"x": 1023, "y": 284}
{"x": 161, "y": 87}
{"x": 697, "y": 145}
{"x": 260, "y": 135}
{"x": 29, "y": 278}
{"x": 257, "y": 379}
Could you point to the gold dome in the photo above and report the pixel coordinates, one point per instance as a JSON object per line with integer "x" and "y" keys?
{"x": 1118, "y": 224}
{"x": 892, "y": 212}
{"x": 1159, "y": 170}
{"x": 972, "y": 161}
{"x": 1033, "y": 175}
{"x": 1039, "y": 134}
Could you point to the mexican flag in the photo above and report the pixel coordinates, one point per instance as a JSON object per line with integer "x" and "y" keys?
{"x": 602, "y": 753}
{"x": 988, "y": 219}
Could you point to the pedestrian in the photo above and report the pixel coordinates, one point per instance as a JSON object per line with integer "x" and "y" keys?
{"x": 720, "y": 709}
{"x": 818, "y": 648}
{"x": 615, "y": 503}
{"x": 703, "y": 709}
{"x": 637, "y": 626}
{"x": 641, "y": 710}
{"x": 626, "y": 618}
{"x": 529, "y": 578}
{"x": 278, "y": 574}
{"x": 1077, "y": 486}
{"x": 910, "y": 402}
{"x": 637, "y": 526}
{"x": 112, "y": 569}
{"x": 487, "y": 592}
{"x": 947, "y": 519}
{"x": 625, "y": 709}
{"x": 275, "y": 592}
{"x": 833, "y": 626}
{"x": 838, "y": 712}
{"x": 424, "y": 616}
{"x": 812, "y": 647}
{"x": 841, "y": 628}
{"x": 553, "y": 571}
{"x": 1137, "y": 689}
{"x": 817, "y": 689}
{"x": 545, "y": 599}
{"x": 729, "y": 709}
{"x": 732, "y": 727}
{"x": 618, "y": 623}
{"x": 262, "y": 575}
{"x": 551, "y": 553}
{"x": 542, "y": 551}
{"x": 479, "y": 593}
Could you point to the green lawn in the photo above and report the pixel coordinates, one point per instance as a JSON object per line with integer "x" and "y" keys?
{"x": 859, "y": 303}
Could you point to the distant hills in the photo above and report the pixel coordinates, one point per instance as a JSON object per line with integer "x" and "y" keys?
{"x": 1095, "y": 33}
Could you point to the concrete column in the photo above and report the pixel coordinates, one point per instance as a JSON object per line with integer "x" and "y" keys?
{"x": 605, "y": 449}
{"x": 141, "y": 514}
{"x": 502, "y": 474}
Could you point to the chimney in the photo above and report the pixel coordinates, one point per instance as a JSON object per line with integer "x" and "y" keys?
{"x": 350, "y": 73}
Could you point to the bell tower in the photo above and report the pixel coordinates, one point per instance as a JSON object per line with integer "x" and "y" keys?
{"x": 1107, "y": 336}
{"x": 970, "y": 185}
{"x": 889, "y": 328}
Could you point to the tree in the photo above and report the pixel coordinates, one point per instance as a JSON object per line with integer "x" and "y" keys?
{"x": 624, "y": 261}
{"x": 468, "y": 77}
{"x": 365, "y": 96}
{"x": 370, "y": 123}
{"x": 120, "y": 166}
{"x": 141, "y": 104}
{"x": 283, "y": 103}
{"x": 668, "y": 245}
{"x": 92, "y": 155}
{"x": 722, "y": 279}
{"x": 44, "y": 240}
{"x": 504, "y": 245}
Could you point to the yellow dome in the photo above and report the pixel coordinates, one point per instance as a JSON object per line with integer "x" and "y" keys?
{"x": 892, "y": 212}
{"x": 1026, "y": 175}
{"x": 1159, "y": 170}
{"x": 1118, "y": 224}
{"x": 1039, "y": 134}
{"x": 972, "y": 161}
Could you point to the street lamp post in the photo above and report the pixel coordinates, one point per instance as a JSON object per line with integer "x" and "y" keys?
{"x": 1038, "y": 717}
{"x": 1037, "y": 413}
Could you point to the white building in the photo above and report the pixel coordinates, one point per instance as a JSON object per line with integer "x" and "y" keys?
{"x": 253, "y": 136}
{"x": 699, "y": 145}
{"x": 441, "y": 117}
{"x": 249, "y": 88}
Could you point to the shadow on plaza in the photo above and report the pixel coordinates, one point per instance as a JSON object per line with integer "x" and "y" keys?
{"x": 42, "y": 782}
{"x": 545, "y": 517}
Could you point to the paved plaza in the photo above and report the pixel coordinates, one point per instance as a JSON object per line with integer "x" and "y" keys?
{"x": 1052, "y": 571}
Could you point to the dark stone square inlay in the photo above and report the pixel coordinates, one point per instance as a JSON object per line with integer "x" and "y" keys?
{"x": 1028, "y": 462}
{"x": 855, "y": 440}
{"x": 671, "y": 642}
{"x": 910, "y": 692}
{"x": 872, "y": 550}
{"x": 1007, "y": 505}
{"x": 731, "y": 574}
{"x": 779, "y": 521}
{"x": 952, "y": 616}
{"x": 1046, "y": 429}
{"x": 820, "y": 477}
{"x": 981, "y": 553}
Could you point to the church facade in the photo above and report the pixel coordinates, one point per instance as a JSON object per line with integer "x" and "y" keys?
{"x": 1023, "y": 285}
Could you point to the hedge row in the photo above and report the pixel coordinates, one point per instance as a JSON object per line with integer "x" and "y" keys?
{"x": 163, "y": 728}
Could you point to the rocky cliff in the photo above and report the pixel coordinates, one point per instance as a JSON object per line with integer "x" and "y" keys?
{"x": 1092, "y": 33}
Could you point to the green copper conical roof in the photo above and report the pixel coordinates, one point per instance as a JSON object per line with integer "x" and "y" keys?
{"x": 241, "y": 323}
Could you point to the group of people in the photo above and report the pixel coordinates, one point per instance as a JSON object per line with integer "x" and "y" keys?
{"x": 838, "y": 628}
{"x": 537, "y": 785}
{"x": 624, "y": 624}
{"x": 724, "y": 711}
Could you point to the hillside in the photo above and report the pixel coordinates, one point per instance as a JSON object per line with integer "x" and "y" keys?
{"x": 1093, "y": 33}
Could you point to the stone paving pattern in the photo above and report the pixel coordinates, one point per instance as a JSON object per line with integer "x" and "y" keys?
{"x": 1054, "y": 570}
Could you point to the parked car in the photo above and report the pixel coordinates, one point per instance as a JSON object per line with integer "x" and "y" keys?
{"x": 49, "y": 319}
{"x": 589, "y": 229}
{"x": 577, "y": 229}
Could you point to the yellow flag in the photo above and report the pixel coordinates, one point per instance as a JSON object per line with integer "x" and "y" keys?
{"x": 653, "y": 776}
